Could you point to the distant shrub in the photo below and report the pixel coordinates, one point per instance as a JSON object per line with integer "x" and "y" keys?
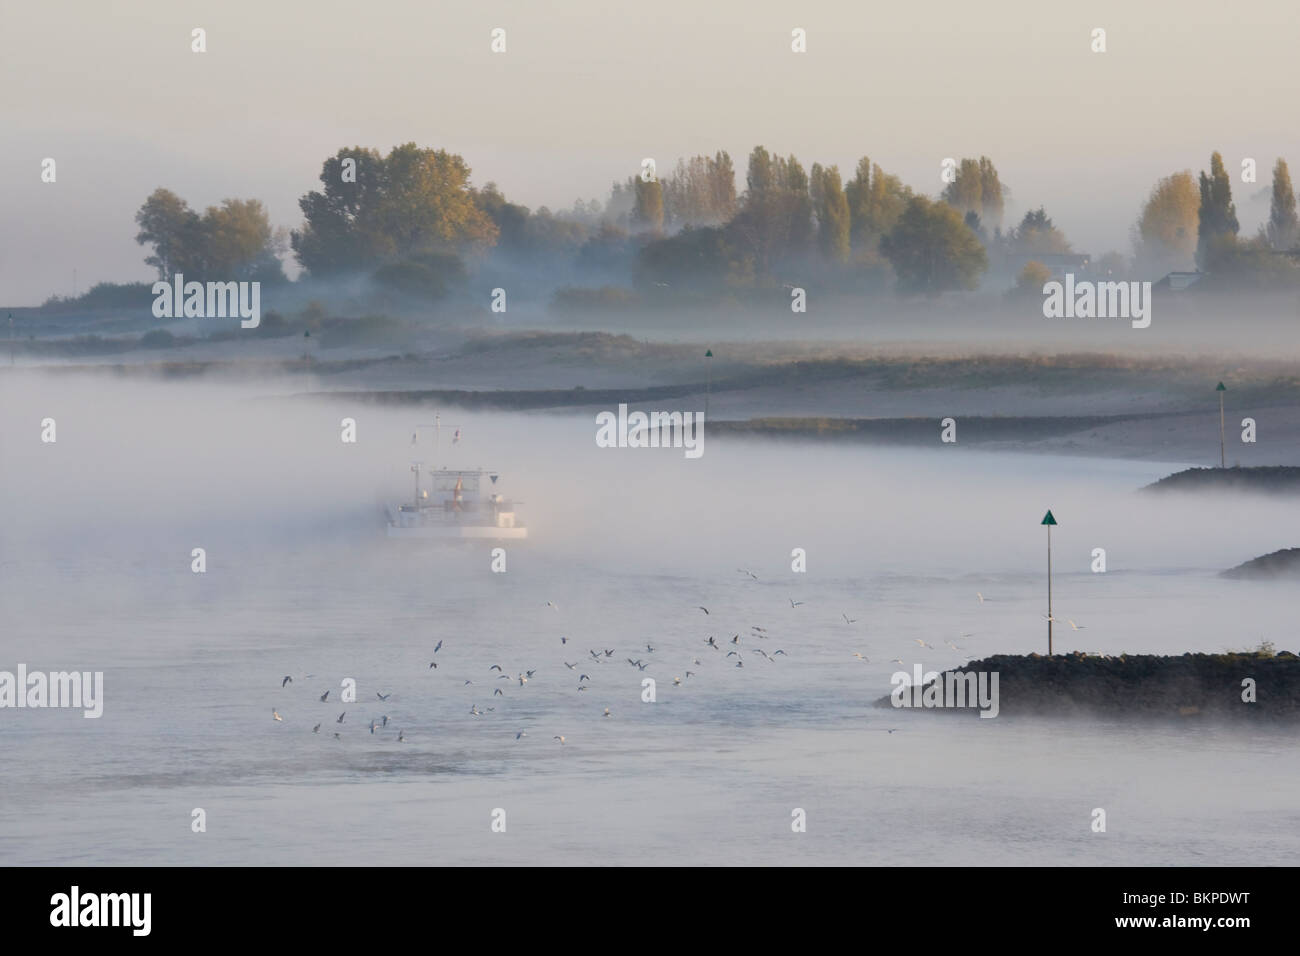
{"x": 603, "y": 297}
{"x": 157, "y": 339}
{"x": 105, "y": 295}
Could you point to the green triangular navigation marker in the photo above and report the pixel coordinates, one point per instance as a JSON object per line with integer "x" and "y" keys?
{"x": 1220, "y": 388}
{"x": 709, "y": 354}
{"x": 1048, "y": 519}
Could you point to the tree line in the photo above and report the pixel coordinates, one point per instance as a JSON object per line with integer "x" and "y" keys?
{"x": 413, "y": 220}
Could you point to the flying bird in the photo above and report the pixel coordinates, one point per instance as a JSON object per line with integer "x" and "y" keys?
{"x": 276, "y": 714}
{"x": 341, "y": 716}
{"x": 570, "y": 666}
{"x": 498, "y": 693}
{"x": 848, "y": 620}
{"x": 287, "y": 680}
{"x": 607, "y": 713}
{"x": 495, "y": 667}
{"x": 384, "y": 696}
{"x": 433, "y": 665}
{"x": 559, "y": 738}
{"x": 1077, "y": 627}
{"x": 747, "y": 571}
{"x": 323, "y": 696}
{"x": 316, "y": 729}
{"x": 702, "y": 608}
{"x": 980, "y": 596}
{"x": 551, "y": 604}
{"x": 438, "y": 648}
{"x": 794, "y": 603}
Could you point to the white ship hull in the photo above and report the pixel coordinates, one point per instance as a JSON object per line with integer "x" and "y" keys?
{"x": 454, "y": 532}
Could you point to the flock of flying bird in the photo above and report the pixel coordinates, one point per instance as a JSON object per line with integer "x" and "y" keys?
{"x": 598, "y": 657}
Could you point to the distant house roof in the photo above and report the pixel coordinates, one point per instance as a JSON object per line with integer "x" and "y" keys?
{"x": 1178, "y": 281}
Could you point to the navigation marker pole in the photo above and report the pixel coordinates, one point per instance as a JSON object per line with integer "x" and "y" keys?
{"x": 708, "y": 382}
{"x": 1221, "y": 389}
{"x": 1049, "y": 521}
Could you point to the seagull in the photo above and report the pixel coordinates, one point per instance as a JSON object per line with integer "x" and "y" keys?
{"x": 582, "y": 687}
{"x": 740, "y": 663}
{"x": 287, "y": 680}
{"x": 337, "y": 736}
{"x": 677, "y": 682}
{"x": 385, "y": 719}
{"x": 980, "y": 596}
{"x": 849, "y": 620}
{"x": 780, "y": 652}
{"x": 341, "y": 716}
{"x": 433, "y": 665}
{"x": 438, "y": 648}
{"x": 649, "y": 649}
{"x": 952, "y": 645}
{"x": 891, "y": 730}
{"x": 641, "y": 666}
{"x": 794, "y": 603}
{"x": 735, "y": 639}
{"x": 316, "y": 729}
{"x": 690, "y": 673}
{"x": 732, "y": 654}
{"x": 1052, "y": 619}
{"x": 564, "y": 640}
{"x": 522, "y": 733}
{"x": 467, "y": 683}
{"x": 497, "y": 693}
{"x": 896, "y": 660}
{"x": 372, "y": 726}
{"x": 747, "y": 571}
{"x": 764, "y": 653}
{"x": 559, "y": 738}
{"x": 609, "y": 653}
{"x": 551, "y": 604}
{"x": 866, "y": 660}
{"x": 702, "y": 608}
{"x": 1078, "y": 627}
{"x": 276, "y": 714}
{"x": 474, "y": 711}
{"x": 595, "y": 654}
{"x": 607, "y": 713}
{"x": 495, "y": 667}
{"x": 384, "y": 696}
{"x": 583, "y": 677}
{"x": 922, "y": 643}
{"x": 711, "y": 643}
{"x": 323, "y": 696}
{"x": 530, "y": 673}
{"x": 570, "y": 666}
{"x": 522, "y": 680}
{"x": 401, "y": 736}
{"x": 761, "y": 630}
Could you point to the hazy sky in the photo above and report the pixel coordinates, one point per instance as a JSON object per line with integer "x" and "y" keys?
{"x": 587, "y": 88}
